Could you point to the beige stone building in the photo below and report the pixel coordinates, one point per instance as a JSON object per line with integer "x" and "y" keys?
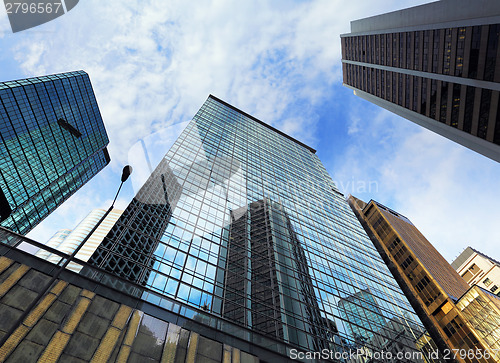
{"x": 476, "y": 268}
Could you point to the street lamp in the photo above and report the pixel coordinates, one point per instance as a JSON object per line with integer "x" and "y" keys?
{"x": 127, "y": 170}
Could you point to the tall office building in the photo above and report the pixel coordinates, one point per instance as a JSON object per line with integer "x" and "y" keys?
{"x": 242, "y": 222}
{"x": 52, "y": 142}
{"x": 67, "y": 240}
{"x": 54, "y": 242}
{"x": 476, "y": 268}
{"x": 436, "y": 65}
{"x": 456, "y": 316}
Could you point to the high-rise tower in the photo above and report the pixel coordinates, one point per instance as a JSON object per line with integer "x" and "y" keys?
{"x": 458, "y": 317}
{"x": 436, "y": 65}
{"x": 52, "y": 142}
{"x": 243, "y": 222}
{"x": 67, "y": 241}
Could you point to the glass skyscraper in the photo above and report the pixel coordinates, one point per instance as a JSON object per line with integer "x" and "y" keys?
{"x": 243, "y": 222}
{"x": 52, "y": 142}
{"x": 66, "y": 240}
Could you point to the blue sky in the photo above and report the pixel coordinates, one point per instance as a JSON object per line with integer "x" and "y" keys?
{"x": 153, "y": 64}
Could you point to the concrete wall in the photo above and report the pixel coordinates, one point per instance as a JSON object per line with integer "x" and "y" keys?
{"x": 444, "y": 11}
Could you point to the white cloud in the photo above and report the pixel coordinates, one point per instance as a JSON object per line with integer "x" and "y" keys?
{"x": 4, "y": 25}
{"x": 442, "y": 187}
{"x": 447, "y": 191}
{"x": 153, "y": 63}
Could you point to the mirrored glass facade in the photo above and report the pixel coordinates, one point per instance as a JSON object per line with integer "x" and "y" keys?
{"x": 244, "y": 222}
{"x": 52, "y": 142}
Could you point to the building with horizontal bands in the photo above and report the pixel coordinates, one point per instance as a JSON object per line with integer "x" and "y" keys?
{"x": 66, "y": 240}
{"x": 436, "y": 65}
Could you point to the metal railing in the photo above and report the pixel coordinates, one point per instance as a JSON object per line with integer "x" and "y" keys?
{"x": 15, "y": 246}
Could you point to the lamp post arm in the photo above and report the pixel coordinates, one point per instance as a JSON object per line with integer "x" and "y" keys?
{"x": 127, "y": 170}
{"x": 116, "y": 196}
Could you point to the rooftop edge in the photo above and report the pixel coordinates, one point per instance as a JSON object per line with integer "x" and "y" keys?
{"x": 262, "y": 123}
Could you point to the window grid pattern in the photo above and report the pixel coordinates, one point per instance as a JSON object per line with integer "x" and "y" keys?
{"x": 464, "y": 52}
{"x": 41, "y": 162}
{"x": 256, "y": 232}
{"x": 482, "y": 308}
